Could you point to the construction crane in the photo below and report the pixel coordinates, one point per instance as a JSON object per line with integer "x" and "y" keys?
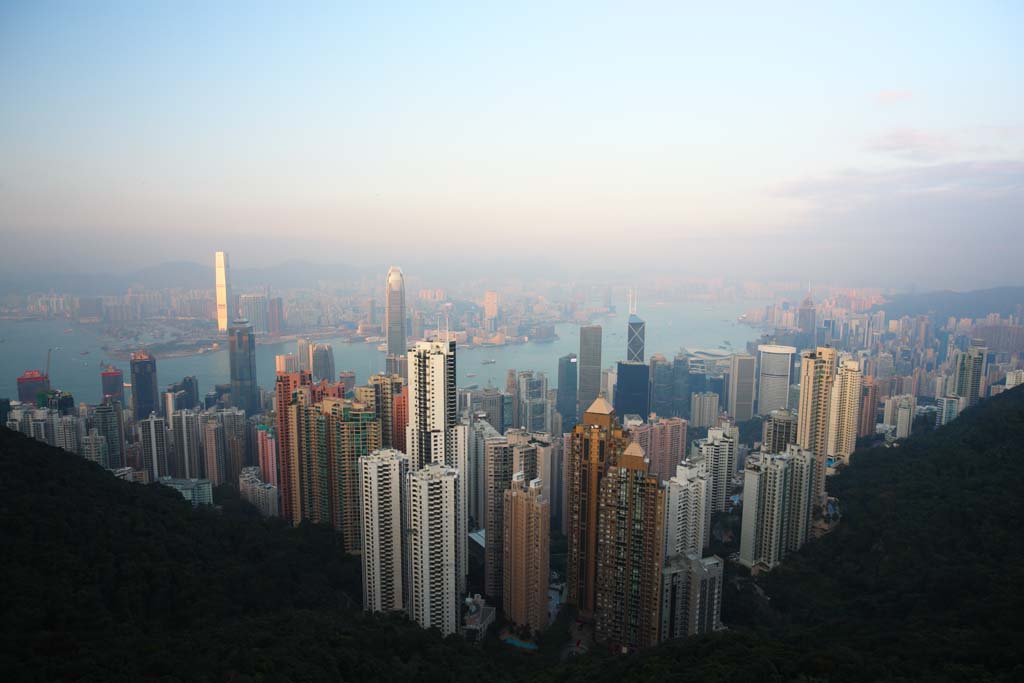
{"x": 48, "y": 352}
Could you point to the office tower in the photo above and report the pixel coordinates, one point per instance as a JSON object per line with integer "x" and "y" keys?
{"x": 153, "y": 434}
{"x": 172, "y": 401}
{"x": 286, "y": 362}
{"x": 662, "y": 388}
{"x": 94, "y": 448}
{"x": 778, "y": 431}
{"x": 900, "y": 411}
{"x": 773, "y": 383}
{"x": 742, "y": 378}
{"x": 868, "y": 406}
{"x": 687, "y": 515}
{"x": 433, "y": 404}
{"x": 145, "y": 388}
{"x": 253, "y": 307}
{"x": 844, "y": 411}
{"x": 704, "y": 409}
{"x": 489, "y": 404}
{"x": 949, "y": 409}
{"x": 630, "y": 545}
{"x": 286, "y": 387}
{"x": 633, "y": 389}
{"x": 112, "y": 382}
{"x": 533, "y": 411}
{"x": 383, "y": 476}
{"x": 394, "y": 313}
{"x": 778, "y": 497}
{"x": 691, "y": 596}
{"x": 242, "y": 356}
{"x": 1014, "y": 378}
{"x": 235, "y": 443}
{"x": 434, "y": 547}
{"x": 322, "y": 364}
{"x": 275, "y": 317}
{"x": 223, "y": 286}
{"x": 526, "y": 570}
{"x": 188, "y": 387}
{"x": 304, "y": 350}
{"x": 609, "y": 379}
{"x": 498, "y": 471}
{"x": 491, "y": 310}
{"x": 589, "y": 366}
{"x": 593, "y": 446}
{"x": 970, "y": 372}
{"x": 817, "y": 373}
{"x": 266, "y": 453}
{"x": 806, "y": 320}
{"x": 719, "y": 451}
{"x": 663, "y": 439}
{"x": 636, "y": 330}
{"x": 189, "y": 461}
{"x": 213, "y": 448}
{"x": 262, "y": 495}
{"x": 108, "y": 419}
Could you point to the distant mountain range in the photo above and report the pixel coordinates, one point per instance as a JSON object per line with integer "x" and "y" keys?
{"x": 946, "y": 303}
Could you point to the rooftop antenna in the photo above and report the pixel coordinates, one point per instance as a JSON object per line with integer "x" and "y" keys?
{"x": 633, "y": 301}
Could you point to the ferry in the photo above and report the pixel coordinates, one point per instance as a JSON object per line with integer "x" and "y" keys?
{"x": 470, "y": 374}
{"x": 490, "y": 361}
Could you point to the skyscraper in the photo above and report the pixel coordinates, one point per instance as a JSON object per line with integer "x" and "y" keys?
{"x": 633, "y": 389}
{"x": 844, "y": 411}
{"x": 742, "y": 374}
{"x": 630, "y": 553}
{"x": 153, "y": 434}
{"x": 663, "y": 439}
{"x": 636, "y": 330}
{"x": 112, "y": 382}
{"x": 704, "y": 409}
{"x": 145, "y": 388}
{"x": 253, "y": 307}
{"x": 322, "y": 362}
{"x": 773, "y": 384}
{"x": 394, "y": 312}
{"x": 383, "y": 478}
{"x": 949, "y": 409}
{"x": 778, "y": 431}
{"x": 687, "y": 516}
{"x": 286, "y": 388}
{"x": 242, "y": 356}
{"x": 806, "y": 320}
{"x": 868, "y": 407}
{"x": 662, "y": 389}
{"x": 817, "y": 373}
{"x": 434, "y": 547}
{"x": 498, "y": 471}
{"x": 433, "y": 404}
{"x": 223, "y": 286}
{"x": 188, "y": 461}
{"x": 718, "y": 451}
{"x": 275, "y": 317}
{"x": 589, "y": 366}
{"x": 970, "y": 372}
{"x": 778, "y": 495}
{"x": 108, "y": 419}
{"x": 691, "y": 602}
{"x": 526, "y": 570}
{"x": 593, "y": 446}
{"x": 286, "y": 362}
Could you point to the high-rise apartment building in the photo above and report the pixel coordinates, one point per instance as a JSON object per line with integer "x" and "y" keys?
{"x": 773, "y": 381}
{"x": 188, "y": 461}
{"x": 153, "y": 435}
{"x": 266, "y": 454}
{"x": 94, "y": 448}
{"x": 593, "y": 446}
{"x": 691, "y": 596}
{"x": 498, "y": 467}
{"x": 948, "y": 409}
{"x": 286, "y": 362}
{"x": 778, "y": 431}
{"x": 704, "y": 409}
{"x": 663, "y": 439}
{"x": 687, "y": 513}
{"x": 742, "y": 380}
{"x": 844, "y": 411}
{"x": 145, "y": 388}
{"x": 817, "y": 374}
{"x": 778, "y": 497}
{"x": 286, "y": 390}
{"x": 383, "y": 478}
{"x": 589, "y": 366}
{"x": 630, "y": 546}
{"x": 526, "y": 568}
{"x": 1014, "y": 378}
{"x": 719, "y": 452}
{"x": 434, "y": 547}
{"x": 213, "y": 448}
{"x": 433, "y": 404}
{"x": 971, "y": 371}
{"x": 262, "y": 495}
{"x": 242, "y": 359}
{"x": 223, "y": 291}
{"x": 480, "y": 433}
{"x": 868, "y": 406}
{"x": 108, "y": 419}
{"x": 900, "y": 411}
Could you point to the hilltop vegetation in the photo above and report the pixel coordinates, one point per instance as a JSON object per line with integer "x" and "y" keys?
{"x": 106, "y": 580}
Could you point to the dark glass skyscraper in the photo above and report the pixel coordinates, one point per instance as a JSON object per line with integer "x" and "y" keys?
{"x": 565, "y": 400}
{"x": 242, "y": 353}
{"x": 113, "y": 383}
{"x": 109, "y": 423}
{"x": 636, "y": 330}
{"x": 589, "y": 366}
{"x": 633, "y": 389}
{"x": 145, "y": 390}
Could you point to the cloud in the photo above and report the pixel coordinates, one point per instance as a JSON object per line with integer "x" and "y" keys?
{"x": 893, "y": 96}
{"x": 913, "y": 144}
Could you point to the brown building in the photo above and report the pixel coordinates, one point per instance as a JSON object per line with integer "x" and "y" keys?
{"x": 593, "y": 446}
{"x": 663, "y": 439}
{"x": 285, "y": 386}
{"x": 630, "y": 551}
{"x": 499, "y": 457}
{"x": 526, "y": 560}
{"x": 868, "y": 407}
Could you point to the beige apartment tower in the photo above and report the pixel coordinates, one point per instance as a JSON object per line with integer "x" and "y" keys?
{"x": 526, "y": 560}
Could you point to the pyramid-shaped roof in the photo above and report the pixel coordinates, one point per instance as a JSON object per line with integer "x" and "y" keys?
{"x": 601, "y": 406}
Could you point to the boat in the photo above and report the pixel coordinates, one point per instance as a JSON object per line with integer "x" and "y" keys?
{"x": 490, "y": 361}
{"x": 470, "y": 374}
{"x": 83, "y": 353}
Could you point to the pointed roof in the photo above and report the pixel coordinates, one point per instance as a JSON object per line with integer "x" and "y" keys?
{"x": 634, "y": 449}
{"x": 601, "y": 406}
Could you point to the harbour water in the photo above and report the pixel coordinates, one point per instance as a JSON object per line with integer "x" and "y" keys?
{"x": 77, "y": 355}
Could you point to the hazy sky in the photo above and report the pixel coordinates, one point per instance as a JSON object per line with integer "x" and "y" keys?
{"x": 875, "y": 142}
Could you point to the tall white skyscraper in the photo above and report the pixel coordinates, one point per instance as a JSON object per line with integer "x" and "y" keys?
{"x": 777, "y": 502}
{"x": 383, "y": 478}
{"x": 394, "y": 312}
{"x": 253, "y": 307}
{"x": 817, "y": 374}
{"x": 188, "y": 460}
{"x": 687, "y": 515}
{"x": 434, "y": 547}
{"x": 949, "y": 409}
{"x": 773, "y": 382}
{"x": 223, "y": 289}
{"x": 844, "y": 411}
{"x": 718, "y": 451}
{"x": 899, "y": 413}
{"x": 742, "y": 373}
{"x": 153, "y": 434}
{"x": 433, "y": 404}
{"x": 1014, "y": 378}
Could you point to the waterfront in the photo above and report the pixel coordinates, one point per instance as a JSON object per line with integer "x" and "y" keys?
{"x": 692, "y": 325}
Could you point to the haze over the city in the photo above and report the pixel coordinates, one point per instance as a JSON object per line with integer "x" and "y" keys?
{"x": 872, "y": 144}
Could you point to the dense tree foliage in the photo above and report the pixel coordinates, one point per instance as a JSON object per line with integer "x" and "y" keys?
{"x": 106, "y": 580}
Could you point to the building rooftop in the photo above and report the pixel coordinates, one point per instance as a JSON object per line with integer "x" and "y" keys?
{"x": 601, "y": 406}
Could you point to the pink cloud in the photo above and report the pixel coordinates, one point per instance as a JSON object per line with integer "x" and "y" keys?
{"x": 893, "y": 96}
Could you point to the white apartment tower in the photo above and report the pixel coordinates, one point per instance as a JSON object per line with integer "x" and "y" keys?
{"x": 844, "y": 411}
{"x": 718, "y": 450}
{"x": 777, "y": 492}
{"x": 687, "y": 515}
{"x": 434, "y": 557}
{"x": 817, "y": 373}
{"x": 383, "y": 477}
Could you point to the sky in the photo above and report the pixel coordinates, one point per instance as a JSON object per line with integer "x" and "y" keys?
{"x": 856, "y": 143}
